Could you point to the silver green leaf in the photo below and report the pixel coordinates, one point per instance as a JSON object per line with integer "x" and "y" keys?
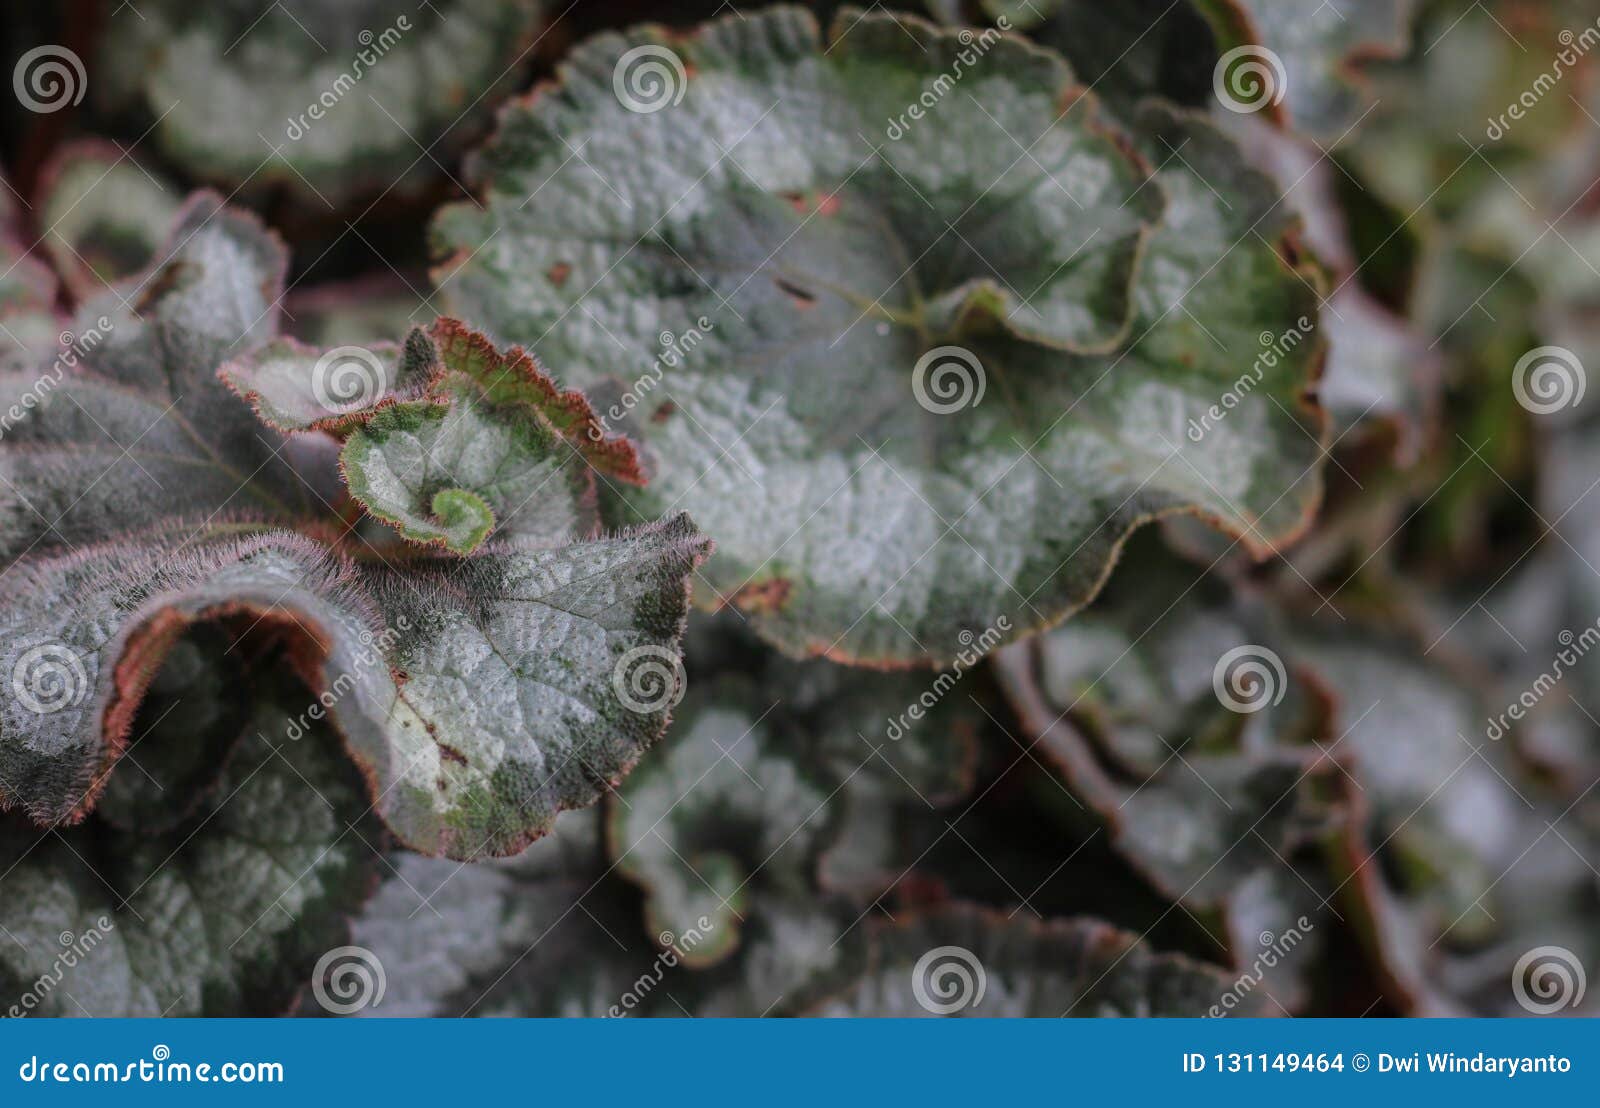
{"x": 1060, "y": 316}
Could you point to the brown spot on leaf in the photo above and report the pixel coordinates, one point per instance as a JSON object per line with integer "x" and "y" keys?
{"x": 764, "y": 596}
{"x": 660, "y": 414}
{"x": 802, "y": 298}
{"x": 559, "y": 273}
{"x": 162, "y": 283}
{"x": 450, "y": 753}
{"x": 806, "y": 203}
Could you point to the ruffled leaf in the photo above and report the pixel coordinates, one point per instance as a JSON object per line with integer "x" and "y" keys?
{"x": 446, "y": 438}
{"x": 1058, "y": 332}
{"x": 224, "y": 915}
{"x": 319, "y": 97}
{"x": 961, "y": 961}
{"x": 104, "y": 215}
{"x": 481, "y": 698}
{"x": 1170, "y": 713}
{"x": 124, "y": 425}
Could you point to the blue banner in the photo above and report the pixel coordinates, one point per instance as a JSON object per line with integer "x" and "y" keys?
{"x": 685, "y": 1062}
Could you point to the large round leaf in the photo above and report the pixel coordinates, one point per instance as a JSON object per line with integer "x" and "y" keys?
{"x": 932, "y": 345}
